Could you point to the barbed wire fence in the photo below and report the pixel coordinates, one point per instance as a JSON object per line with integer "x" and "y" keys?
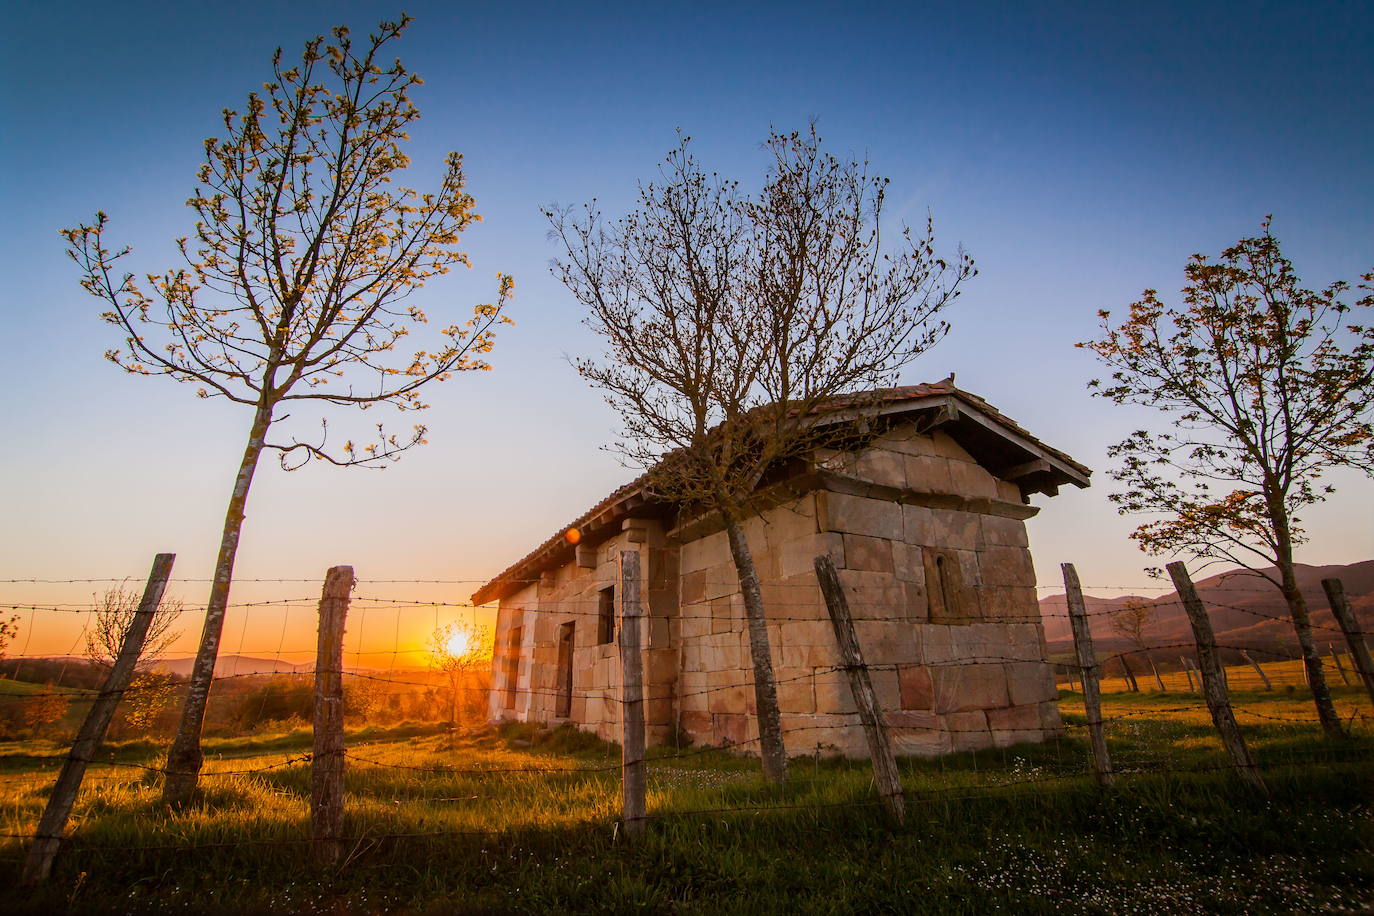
{"x": 396, "y": 679}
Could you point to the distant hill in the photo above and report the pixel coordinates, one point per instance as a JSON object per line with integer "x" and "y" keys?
{"x": 234, "y": 665}
{"x": 1245, "y": 609}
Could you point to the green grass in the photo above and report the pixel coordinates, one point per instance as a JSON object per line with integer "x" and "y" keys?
{"x": 1013, "y": 830}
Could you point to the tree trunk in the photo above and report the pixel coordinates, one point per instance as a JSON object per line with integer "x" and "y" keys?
{"x": 184, "y": 760}
{"x": 1302, "y": 626}
{"x": 771, "y": 749}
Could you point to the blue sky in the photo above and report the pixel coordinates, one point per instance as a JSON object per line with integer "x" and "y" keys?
{"x": 1079, "y": 152}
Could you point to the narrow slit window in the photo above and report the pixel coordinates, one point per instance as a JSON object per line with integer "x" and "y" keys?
{"x": 566, "y": 643}
{"x": 605, "y": 617}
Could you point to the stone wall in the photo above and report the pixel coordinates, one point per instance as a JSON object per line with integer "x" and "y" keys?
{"x": 932, "y": 552}
{"x": 571, "y": 594}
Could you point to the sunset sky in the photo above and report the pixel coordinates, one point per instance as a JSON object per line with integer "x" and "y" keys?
{"x": 1080, "y": 152}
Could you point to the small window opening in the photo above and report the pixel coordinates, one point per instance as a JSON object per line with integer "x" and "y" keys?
{"x": 512, "y": 665}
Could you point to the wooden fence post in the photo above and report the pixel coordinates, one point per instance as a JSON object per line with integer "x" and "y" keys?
{"x": 1258, "y": 670}
{"x": 861, "y": 686}
{"x": 48, "y": 836}
{"x": 1340, "y": 667}
{"x": 1087, "y": 665}
{"x": 327, "y": 762}
{"x": 1213, "y": 685}
{"x": 1155, "y": 669}
{"x": 1188, "y": 670}
{"x": 1354, "y": 636}
{"x": 632, "y": 765}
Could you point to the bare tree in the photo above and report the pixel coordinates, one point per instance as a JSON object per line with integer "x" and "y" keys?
{"x": 459, "y": 650}
{"x": 733, "y": 322}
{"x": 114, "y": 614}
{"x": 1267, "y": 385}
{"x": 148, "y": 691}
{"x": 297, "y": 284}
{"x": 1132, "y": 621}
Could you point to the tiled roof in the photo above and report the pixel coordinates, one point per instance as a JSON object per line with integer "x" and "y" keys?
{"x": 527, "y": 568}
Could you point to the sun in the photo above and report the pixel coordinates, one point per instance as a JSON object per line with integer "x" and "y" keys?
{"x": 459, "y": 644}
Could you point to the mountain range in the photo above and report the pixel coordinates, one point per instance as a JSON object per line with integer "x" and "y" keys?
{"x": 1246, "y": 610}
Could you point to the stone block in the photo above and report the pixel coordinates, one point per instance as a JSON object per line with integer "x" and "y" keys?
{"x": 1009, "y": 603}
{"x": 905, "y": 440}
{"x": 660, "y": 632}
{"x": 961, "y": 687}
{"x": 720, "y": 581}
{"x": 880, "y": 466}
{"x": 859, "y": 515}
{"x": 823, "y": 656}
{"x": 660, "y": 667}
{"x": 703, "y": 553}
{"x": 832, "y": 693}
{"x": 920, "y": 742}
{"x": 695, "y": 621}
{"x": 1006, "y": 566}
{"x": 797, "y": 557}
{"x": 885, "y": 686}
{"x": 729, "y": 699}
{"x": 722, "y": 615}
{"x": 946, "y": 447}
{"x": 1015, "y": 725}
{"x": 917, "y": 688}
{"x": 868, "y": 553}
{"x": 886, "y": 642}
{"x": 906, "y": 562}
{"x": 797, "y": 696}
{"x": 731, "y": 728}
{"x": 968, "y": 731}
{"x": 1029, "y": 682}
{"x": 972, "y": 480}
{"x": 960, "y": 530}
{"x": 659, "y": 710}
{"x": 918, "y": 525}
{"x": 917, "y": 604}
{"x": 696, "y": 723}
{"x": 804, "y": 633}
{"x": 1009, "y": 492}
{"x": 791, "y": 520}
{"x": 906, "y": 718}
{"x": 1049, "y": 718}
{"x": 927, "y": 473}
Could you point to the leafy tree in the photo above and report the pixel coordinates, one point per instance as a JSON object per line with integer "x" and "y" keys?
{"x": 1266, "y": 386}
{"x": 8, "y": 630}
{"x": 297, "y": 285}
{"x": 730, "y": 321}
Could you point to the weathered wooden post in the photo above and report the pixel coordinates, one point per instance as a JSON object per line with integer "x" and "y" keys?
{"x": 327, "y": 762}
{"x": 48, "y": 837}
{"x": 632, "y": 764}
{"x": 1258, "y": 670}
{"x": 1214, "y": 688}
{"x": 1354, "y": 636}
{"x": 861, "y": 686}
{"x": 1087, "y": 666}
{"x": 1188, "y": 670}
{"x": 1340, "y": 668}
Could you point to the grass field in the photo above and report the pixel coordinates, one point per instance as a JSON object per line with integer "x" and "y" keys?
{"x": 1014, "y": 830}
